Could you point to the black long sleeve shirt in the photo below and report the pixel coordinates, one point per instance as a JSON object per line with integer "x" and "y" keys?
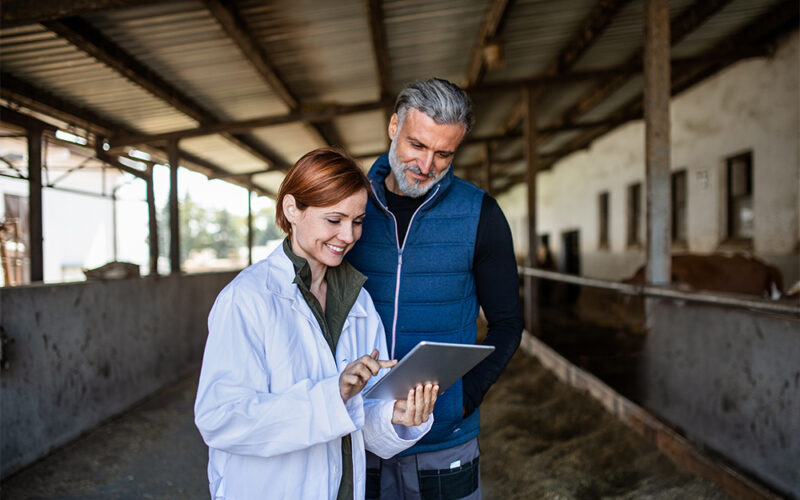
{"x": 497, "y": 285}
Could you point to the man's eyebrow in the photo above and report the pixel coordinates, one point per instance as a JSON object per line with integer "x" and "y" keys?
{"x": 414, "y": 139}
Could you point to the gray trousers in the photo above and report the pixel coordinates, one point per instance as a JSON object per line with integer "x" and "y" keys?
{"x": 451, "y": 474}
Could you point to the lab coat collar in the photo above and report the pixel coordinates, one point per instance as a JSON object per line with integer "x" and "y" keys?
{"x": 280, "y": 281}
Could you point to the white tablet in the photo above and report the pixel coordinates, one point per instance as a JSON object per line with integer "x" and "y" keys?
{"x": 435, "y": 362}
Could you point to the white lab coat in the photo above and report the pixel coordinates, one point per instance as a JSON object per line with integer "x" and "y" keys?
{"x": 268, "y": 403}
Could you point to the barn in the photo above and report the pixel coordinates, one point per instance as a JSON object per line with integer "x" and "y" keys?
{"x": 646, "y": 154}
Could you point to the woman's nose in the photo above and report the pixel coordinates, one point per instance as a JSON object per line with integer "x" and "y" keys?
{"x": 346, "y": 233}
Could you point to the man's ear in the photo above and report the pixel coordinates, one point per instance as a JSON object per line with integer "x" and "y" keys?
{"x": 392, "y": 126}
{"x": 290, "y": 209}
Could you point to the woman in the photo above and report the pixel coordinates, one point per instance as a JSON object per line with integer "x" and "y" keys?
{"x": 292, "y": 342}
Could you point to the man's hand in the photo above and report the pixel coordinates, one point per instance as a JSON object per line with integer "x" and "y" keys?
{"x": 417, "y": 407}
{"x": 356, "y": 375}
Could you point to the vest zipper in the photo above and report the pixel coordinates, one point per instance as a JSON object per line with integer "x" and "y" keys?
{"x": 399, "y": 255}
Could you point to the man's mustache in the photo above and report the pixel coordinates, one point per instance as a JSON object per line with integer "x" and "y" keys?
{"x": 417, "y": 171}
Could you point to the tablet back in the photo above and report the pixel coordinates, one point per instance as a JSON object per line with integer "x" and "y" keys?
{"x": 435, "y": 362}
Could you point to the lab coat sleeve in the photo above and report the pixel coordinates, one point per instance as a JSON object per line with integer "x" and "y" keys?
{"x": 381, "y": 436}
{"x": 234, "y": 410}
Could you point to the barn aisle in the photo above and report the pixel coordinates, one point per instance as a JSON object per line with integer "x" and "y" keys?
{"x": 541, "y": 439}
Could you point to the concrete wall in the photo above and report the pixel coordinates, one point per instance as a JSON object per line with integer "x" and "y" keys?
{"x": 730, "y": 380}
{"x": 83, "y": 352}
{"x": 753, "y": 105}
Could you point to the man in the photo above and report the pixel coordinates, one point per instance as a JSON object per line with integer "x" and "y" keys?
{"x": 436, "y": 248}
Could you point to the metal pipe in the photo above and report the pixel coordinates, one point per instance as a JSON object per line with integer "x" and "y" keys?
{"x": 667, "y": 293}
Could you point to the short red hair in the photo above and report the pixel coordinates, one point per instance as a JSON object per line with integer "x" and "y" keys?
{"x": 321, "y": 178}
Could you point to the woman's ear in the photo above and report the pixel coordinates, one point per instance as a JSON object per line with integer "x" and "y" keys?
{"x": 290, "y": 209}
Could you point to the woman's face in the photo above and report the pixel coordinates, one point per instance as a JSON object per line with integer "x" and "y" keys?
{"x": 323, "y": 235}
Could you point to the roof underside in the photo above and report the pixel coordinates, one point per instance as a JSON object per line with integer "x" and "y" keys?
{"x": 247, "y": 87}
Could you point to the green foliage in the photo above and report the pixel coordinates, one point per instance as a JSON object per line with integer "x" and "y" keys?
{"x": 202, "y": 227}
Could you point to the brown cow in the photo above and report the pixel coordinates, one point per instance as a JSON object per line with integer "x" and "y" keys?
{"x": 737, "y": 273}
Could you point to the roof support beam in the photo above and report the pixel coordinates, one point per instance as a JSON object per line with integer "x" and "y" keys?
{"x": 681, "y": 27}
{"x": 593, "y": 26}
{"x": 18, "y": 91}
{"x": 657, "y": 141}
{"x": 228, "y": 16}
{"x": 37, "y": 99}
{"x": 152, "y": 236}
{"x": 380, "y": 49}
{"x": 35, "y": 224}
{"x": 87, "y": 38}
{"x": 492, "y": 23}
{"x": 756, "y": 36}
{"x": 530, "y": 98}
{"x": 174, "y": 216}
{"x": 317, "y": 114}
{"x": 326, "y": 112}
{"x": 17, "y": 12}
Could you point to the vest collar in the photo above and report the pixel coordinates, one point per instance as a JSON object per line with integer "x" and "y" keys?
{"x": 381, "y": 168}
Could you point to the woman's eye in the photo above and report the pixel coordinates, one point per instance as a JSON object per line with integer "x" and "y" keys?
{"x": 333, "y": 221}
{"x": 358, "y": 222}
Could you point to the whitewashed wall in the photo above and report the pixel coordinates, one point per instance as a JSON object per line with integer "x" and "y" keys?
{"x": 753, "y": 105}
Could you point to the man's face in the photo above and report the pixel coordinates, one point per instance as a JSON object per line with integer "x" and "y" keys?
{"x": 420, "y": 153}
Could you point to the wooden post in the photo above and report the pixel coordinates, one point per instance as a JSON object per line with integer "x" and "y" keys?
{"x": 657, "y": 140}
{"x": 487, "y": 167}
{"x": 35, "y": 204}
{"x": 151, "y": 212}
{"x": 249, "y": 227}
{"x": 174, "y": 221}
{"x": 531, "y": 157}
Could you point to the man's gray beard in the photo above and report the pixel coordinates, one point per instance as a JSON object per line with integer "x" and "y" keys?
{"x": 414, "y": 190}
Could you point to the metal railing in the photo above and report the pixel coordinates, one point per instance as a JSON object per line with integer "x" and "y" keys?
{"x": 729, "y": 300}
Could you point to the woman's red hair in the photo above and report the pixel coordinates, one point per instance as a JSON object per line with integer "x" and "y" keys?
{"x": 321, "y": 178}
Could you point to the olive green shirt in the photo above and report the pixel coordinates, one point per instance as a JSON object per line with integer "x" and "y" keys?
{"x": 344, "y": 285}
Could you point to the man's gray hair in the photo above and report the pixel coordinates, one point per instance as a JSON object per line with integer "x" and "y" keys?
{"x": 443, "y": 101}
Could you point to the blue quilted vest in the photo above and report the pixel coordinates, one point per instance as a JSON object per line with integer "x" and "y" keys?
{"x": 425, "y": 289}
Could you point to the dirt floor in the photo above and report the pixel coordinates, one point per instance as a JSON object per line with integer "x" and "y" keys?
{"x": 541, "y": 439}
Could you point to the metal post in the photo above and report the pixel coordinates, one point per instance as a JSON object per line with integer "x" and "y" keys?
{"x": 657, "y": 140}
{"x": 151, "y": 212}
{"x": 249, "y": 227}
{"x": 114, "y": 219}
{"x": 35, "y": 204}
{"x": 487, "y": 167}
{"x": 531, "y": 157}
{"x": 174, "y": 223}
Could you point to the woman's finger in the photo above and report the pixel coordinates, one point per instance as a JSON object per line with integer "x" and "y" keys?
{"x": 420, "y": 404}
{"x": 387, "y": 363}
{"x": 362, "y": 371}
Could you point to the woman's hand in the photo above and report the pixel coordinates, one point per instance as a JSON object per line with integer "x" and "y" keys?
{"x": 417, "y": 407}
{"x": 356, "y": 375}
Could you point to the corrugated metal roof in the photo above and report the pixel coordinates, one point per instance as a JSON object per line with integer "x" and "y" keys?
{"x": 323, "y": 52}
{"x": 535, "y": 33}
{"x": 185, "y": 45}
{"x": 37, "y": 55}
{"x": 431, "y": 39}
{"x": 363, "y": 133}
{"x": 727, "y": 22}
